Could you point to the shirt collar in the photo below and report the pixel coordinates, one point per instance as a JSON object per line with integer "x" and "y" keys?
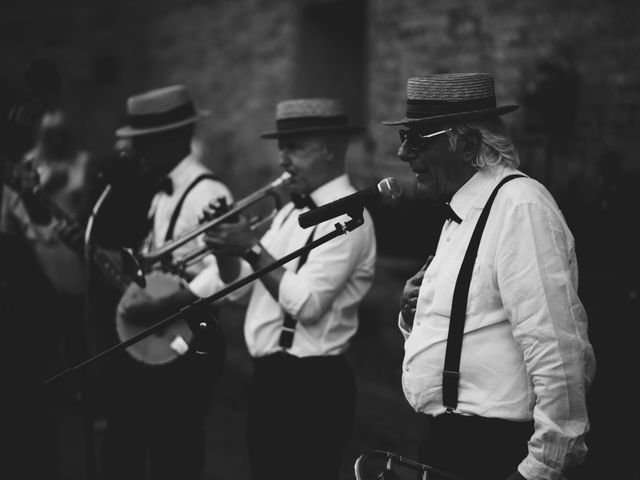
{"x": 477, "y": 189}
{"x": 332, "y": 190}
{"x": 181, "y": 173}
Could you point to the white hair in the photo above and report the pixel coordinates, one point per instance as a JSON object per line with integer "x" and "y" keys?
{"x": 496, "y": 148}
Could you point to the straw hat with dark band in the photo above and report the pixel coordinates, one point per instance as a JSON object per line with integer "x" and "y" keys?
{"x": 160, "y": 110}
{"x": 311, "y": 115}
{"x": 450, "y": 97}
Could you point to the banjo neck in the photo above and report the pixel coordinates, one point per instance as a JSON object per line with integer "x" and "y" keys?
{"x": 71, "y": 233}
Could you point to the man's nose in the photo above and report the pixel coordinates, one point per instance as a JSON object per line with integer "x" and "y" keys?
{"x": 405, "y": 153}
{"x": 283, "y": 160}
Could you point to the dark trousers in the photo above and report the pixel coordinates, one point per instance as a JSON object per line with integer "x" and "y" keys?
{"x": 475, "y": 448}
{"x": 301, "y": 412}
{"x": 155, "y": 416}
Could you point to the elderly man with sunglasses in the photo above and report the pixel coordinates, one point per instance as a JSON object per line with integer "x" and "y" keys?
{"x": 497, "y": 356}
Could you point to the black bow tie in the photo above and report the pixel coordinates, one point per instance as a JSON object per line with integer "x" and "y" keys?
{"x": 302, "y": 201}
{"x": 163, "y": 184}
{"x": 449, "y": 214}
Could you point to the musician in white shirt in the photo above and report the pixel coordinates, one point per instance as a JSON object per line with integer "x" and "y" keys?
{"x": 301, "y": 316}
{"x": 156, "y": 405}
{"x": 518, "y": 407}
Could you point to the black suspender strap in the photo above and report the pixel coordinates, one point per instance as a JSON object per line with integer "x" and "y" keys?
{"x": 451, "y": 373}
{"x": 289, "y": 323}
{"x": 176, "y": 211}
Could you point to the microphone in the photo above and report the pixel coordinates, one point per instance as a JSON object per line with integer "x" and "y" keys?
{"x": 388, "y": 188}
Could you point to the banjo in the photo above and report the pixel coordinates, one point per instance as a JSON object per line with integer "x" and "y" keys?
{"x": 161, "y": 346}
{"x": 158, "y": 348}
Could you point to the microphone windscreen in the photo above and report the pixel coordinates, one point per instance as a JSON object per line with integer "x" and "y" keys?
{"x": 390, "y": 188}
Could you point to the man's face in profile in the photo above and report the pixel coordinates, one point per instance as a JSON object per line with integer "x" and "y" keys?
{"x": 305, "y": 157}
{"x": 433, "y": 161}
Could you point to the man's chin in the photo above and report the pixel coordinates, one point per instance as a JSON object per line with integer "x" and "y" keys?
{"x": 428, "y": 190}
{"x": 424, "y": 190}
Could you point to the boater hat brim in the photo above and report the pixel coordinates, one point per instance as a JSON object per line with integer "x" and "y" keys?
{"x": 130, "y": 131}
{"x": 301, "y": 116}
{"x": 447, "y": 98}
{"x": 453, "y": 117}
{"x": 349, "y": 129}
{"x": 160, "y": 110}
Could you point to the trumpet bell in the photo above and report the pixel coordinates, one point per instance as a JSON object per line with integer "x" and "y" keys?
{"x": 138, "y": 265}
{"x": 132, "y": 267}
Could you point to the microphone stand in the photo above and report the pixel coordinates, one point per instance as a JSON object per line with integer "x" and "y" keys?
{"x": 340, "y": 229}
{"x": 392, "y": 459}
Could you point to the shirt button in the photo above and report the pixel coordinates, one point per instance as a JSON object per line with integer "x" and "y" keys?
{"x": 448, "y": 239}
{"x": 418, "y": 323}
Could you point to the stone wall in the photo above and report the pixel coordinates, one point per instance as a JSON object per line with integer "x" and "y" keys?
{"x": 571, "y": 66}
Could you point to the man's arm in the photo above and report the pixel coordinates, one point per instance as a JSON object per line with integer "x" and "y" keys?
{"x": 537, "y": 284}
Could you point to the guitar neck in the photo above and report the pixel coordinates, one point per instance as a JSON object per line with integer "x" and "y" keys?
{"x": 72, "y": 234}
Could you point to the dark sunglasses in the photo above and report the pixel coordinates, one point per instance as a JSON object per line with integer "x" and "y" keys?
{"x": 415, "y": 141}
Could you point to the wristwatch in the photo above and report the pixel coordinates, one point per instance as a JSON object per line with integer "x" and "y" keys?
{"x": 253, "y": 254}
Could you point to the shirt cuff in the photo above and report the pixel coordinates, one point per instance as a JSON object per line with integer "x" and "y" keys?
{"x": 240, "y": 295}
{"x": 206, "y": 283}
{"x": 405, "y": 329}
{"x": 532, "y": 468}
{"x": 292, "y": 293}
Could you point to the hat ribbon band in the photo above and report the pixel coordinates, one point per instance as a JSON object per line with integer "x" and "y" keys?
{"x": 285, "y": 124}
{"x": 428, "y": 108}
{"x": 174, "y": 115}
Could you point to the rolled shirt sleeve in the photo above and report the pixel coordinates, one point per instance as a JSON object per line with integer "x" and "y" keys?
{"x": 537, "y": 278}
{"x": 309, "y": 293}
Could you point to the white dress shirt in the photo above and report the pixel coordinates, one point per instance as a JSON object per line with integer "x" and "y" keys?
{"x": 324, "y": 294}
{"x": 204, "y": 274}
{"x": 525, "y": 352}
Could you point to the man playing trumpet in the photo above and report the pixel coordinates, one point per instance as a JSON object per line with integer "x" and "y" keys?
{"x": 301, "y": 316}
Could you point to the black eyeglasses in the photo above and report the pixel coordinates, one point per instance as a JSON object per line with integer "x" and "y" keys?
{"x": 415, "y": 141}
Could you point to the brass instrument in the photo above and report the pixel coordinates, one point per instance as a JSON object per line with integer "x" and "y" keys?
{"x": 138, "y": 264}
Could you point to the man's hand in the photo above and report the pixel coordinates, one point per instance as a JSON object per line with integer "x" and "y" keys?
{"x": 409, "y": 297}
{"x": 168, "y": 295}
{"x": 231, "y": 239}
{"x": 25, "y": 177}
{"x": 138, "y": 307}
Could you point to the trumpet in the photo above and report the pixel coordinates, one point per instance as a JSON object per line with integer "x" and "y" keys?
{"x": 136, "y": 265}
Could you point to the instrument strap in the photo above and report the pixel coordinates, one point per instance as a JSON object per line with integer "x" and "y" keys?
{"x": 289, "y": 323}
{"x": 176, "y": 211}
{"x": 451, "y": 373}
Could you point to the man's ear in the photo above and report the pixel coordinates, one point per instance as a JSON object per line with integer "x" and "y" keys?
{"x": 330, "y": 149}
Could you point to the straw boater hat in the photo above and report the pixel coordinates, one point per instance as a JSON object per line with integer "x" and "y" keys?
{"x": 311, "y": 115}
{"x": 159, "y": 110}
{"x": 434, "y": 100}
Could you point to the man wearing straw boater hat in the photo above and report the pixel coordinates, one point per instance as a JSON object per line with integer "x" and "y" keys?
{"x": 301, "y": 317}
{"x": 160, "y": 388}
{"x": 497, "y": 356}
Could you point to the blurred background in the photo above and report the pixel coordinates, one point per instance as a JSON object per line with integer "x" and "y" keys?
{"x": 572, "y": 66}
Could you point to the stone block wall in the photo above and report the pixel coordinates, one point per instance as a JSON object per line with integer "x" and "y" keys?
{"x": 572, "y": 66}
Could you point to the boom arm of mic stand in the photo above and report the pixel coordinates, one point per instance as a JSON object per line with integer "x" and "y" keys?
{"x": 340, "y": 229}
